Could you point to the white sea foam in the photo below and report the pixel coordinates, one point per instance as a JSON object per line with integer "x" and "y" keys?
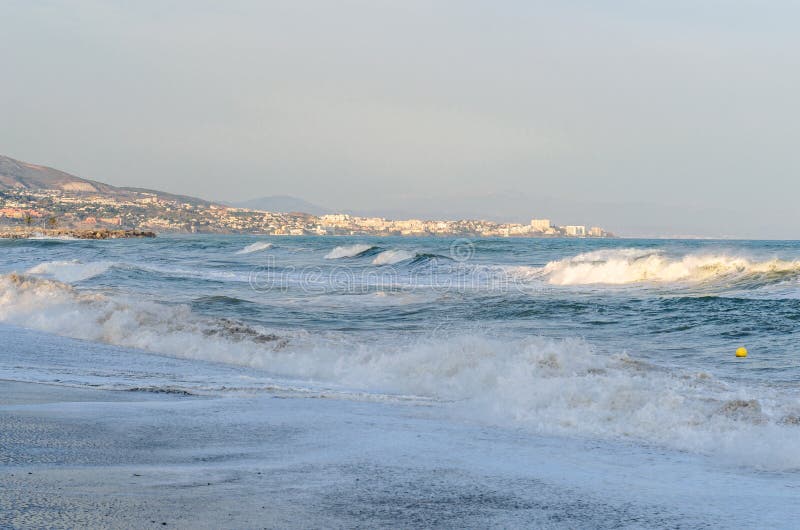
{"x": 390, "y": 257}
{"x": 255, "y": 247}
{"x": 629, "y": 266}
{"x": 347, "y": 251}
{"x": 42, "y": 237}
{"x": 70, "y": 271}
{"x": 554, "y": 387}
{"x": 58, "y": 308}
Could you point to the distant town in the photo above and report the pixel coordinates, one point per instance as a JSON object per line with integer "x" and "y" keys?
{"x": 34, "y": 196}
{"x": 149, "y": 211}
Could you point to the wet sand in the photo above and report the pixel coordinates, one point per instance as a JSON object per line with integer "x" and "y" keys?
{"x": 74, "y": 457}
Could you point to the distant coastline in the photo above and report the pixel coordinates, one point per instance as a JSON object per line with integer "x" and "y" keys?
{"x": 35, "y": 210}
{"x": 39, "y": 197}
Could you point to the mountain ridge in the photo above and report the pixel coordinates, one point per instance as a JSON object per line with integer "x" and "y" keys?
{"x": 282, "y": 203}
{"x": 17, "y": 174}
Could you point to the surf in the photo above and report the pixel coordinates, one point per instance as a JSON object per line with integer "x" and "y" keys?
{"x": 552, "y": 386}
{"x": 255, "y": 247}
{"x": 390, "y": 257}
{"x": 351, "y": 251}
{"x": 637, "y": 266}
{"x": 70, "y": 271}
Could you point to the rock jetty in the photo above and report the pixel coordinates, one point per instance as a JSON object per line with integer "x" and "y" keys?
{"x": 69, "y": 233}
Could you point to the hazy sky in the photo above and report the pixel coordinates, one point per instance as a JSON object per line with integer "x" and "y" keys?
{"x": 646, "y": 117}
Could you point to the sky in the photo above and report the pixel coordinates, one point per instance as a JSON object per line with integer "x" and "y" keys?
{"x": 645, "y": 117}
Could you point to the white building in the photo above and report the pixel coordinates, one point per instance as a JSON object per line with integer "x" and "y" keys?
{"x": 335, "y": 218}
{"x": 575, "y": 230}
{"x": 540, "y": 225}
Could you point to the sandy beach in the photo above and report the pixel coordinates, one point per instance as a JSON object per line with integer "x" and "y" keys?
{"x": 90, "y": 458}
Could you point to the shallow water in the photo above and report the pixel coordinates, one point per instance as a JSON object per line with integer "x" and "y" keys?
{"x": 234, "y": 456}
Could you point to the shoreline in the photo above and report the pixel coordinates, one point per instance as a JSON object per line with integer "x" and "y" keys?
{"x": 246, "y": 450}
{"x": 70, "y": 233}
{"x": 75, "y": 457}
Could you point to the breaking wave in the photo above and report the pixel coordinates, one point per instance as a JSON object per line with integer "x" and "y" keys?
{"x": 70, "y": 271}
{"x": 550, "y": 386}
{"x": 350, "y": 251}
{"x": 56, "y": 307}
{"x": 630, "y": 266}
{"x": 255, "y": 247}
{"x": 390, "y": 257}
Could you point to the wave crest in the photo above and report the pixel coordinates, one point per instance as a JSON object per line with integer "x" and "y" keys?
{"x": 390, "y": 257}
{"x": 70, "y": 271}
{"x": 349, "y": 251}
{"x": 255, "y": 247}
{"x": 629, "y": 266}
{"x": 551, "y": 386}
{"x": 56, "y": 307}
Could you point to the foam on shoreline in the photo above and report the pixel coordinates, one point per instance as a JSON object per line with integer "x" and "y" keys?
{"x": 552, "y": 386}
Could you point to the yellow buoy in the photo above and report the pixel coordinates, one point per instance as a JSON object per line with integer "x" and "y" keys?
{"x": 741, "y": 352}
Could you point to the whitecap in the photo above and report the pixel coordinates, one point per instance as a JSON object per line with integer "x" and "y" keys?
{"x": 70, "y": 271}
{"x": 255, "y": 247}
{"x": 348, "y": 251}
{"x": 632, "y": 266}
{"x": 560, "y": 387}
{"x": 390, "y": 257}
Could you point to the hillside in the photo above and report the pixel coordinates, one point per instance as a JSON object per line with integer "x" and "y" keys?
{"x": 15, "y": 174}
{"x": 18, "y": 174}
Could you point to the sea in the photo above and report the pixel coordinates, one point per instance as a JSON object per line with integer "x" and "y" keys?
{"x": 626, "y": 345}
